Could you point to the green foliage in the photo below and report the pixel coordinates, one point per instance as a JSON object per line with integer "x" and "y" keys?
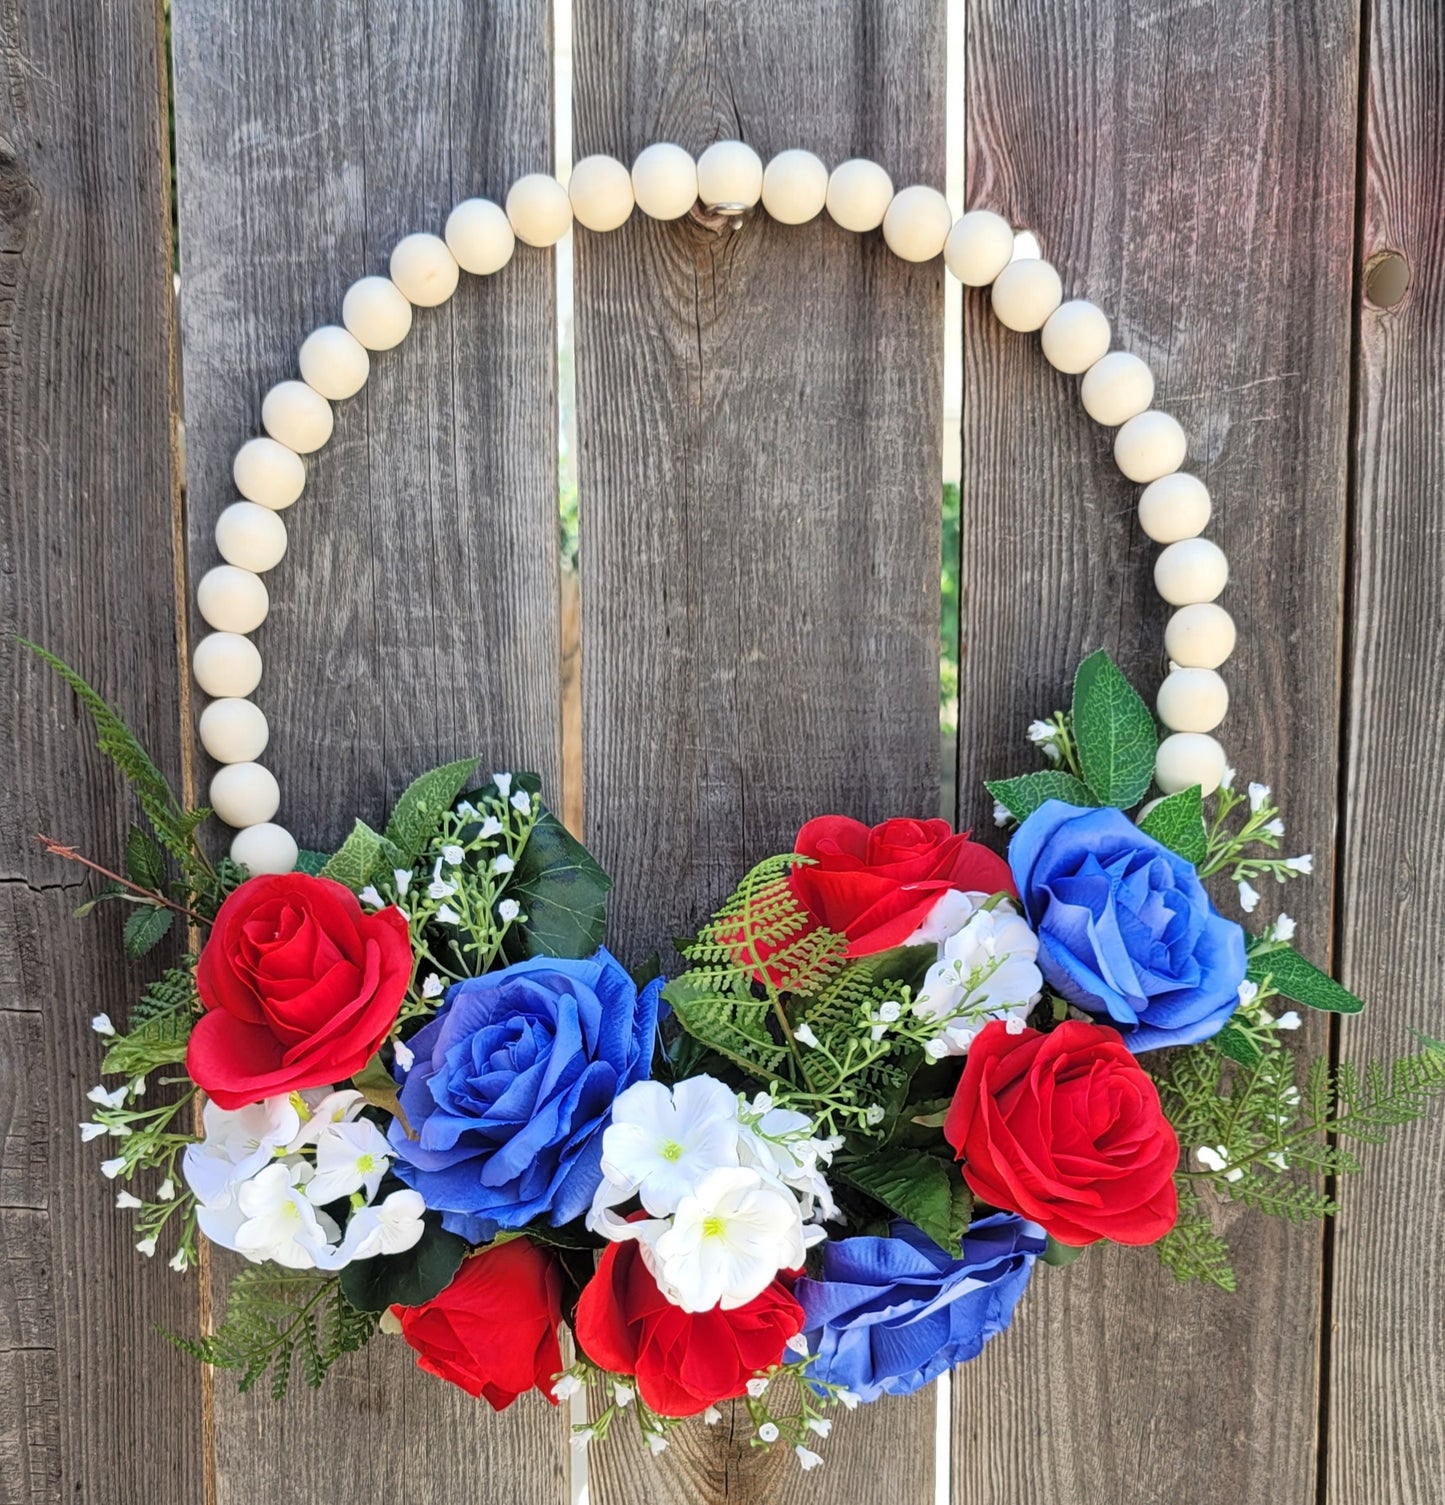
{"x": 1289, "y": 974}
{"x": 422, "y": 805}
{"x": 359, "y": 856}
{"x": 406, "y": 1279}
{"x": 145, "y": 863}
{"x": 1114, "y": 732}
{"x": 1192, "y": 1250}
{"x": 563, "y": 890}
{"x": 145, "y": 928}
{"x": 1023, "y": 795}
{"x": 160, "y": 1025}
{"x": 313, "y": 863}
{"x": 928, "y": 1190}
{"x": 277, "y": 1318}
{"x": 1177, "y": 822}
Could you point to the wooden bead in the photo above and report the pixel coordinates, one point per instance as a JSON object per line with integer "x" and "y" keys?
{"x": 664, "y": 181}
{"x": 795, "y": 187}
{"x": 232, "y": 600}
{"x": 1191, "y": 571}
{"x": 1189, "y": 758}
{"x": 251, "y": 537}
{"x": 539, "y": 209}
{"x": 226, "y": 664}
{"x": 268, "y": 473}
{"x": 296, "y": 416}
{"x": 376, "y": 312}
{"x": 1173, "y": 507}
{"x": 917, "y": 223}
{"x": 730, "y": 172}
{"x": 244, "y": 794}
{"x": 479, "y": 235}
{"x": 1076, "y": 336}
{"x": 1116, "y": 388}
{"x": 1201, "y": 636}
{"x": 425, "y": 272}
{"x": 1192, "y": 700}
{"x": 334, "y": 363}
{"x": 233, "y": 730}
{"x": 859, "y": 193}
{"x": 1150, "y": 446}
{"x": 1025, "y": 293}
{"x": 600, "y": 191}
{"x": 979, "y": 247}
{"x": 265, "y": 848}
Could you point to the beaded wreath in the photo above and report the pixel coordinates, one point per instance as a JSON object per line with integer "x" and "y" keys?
{"x": 817, "y": 1160}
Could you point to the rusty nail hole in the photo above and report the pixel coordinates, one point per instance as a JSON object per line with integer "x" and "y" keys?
{"x": 1387, "y": 279}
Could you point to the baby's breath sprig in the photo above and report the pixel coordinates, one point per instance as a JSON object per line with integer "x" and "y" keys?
{"x": 1239, "y": 823}
{"x": 1054, "y": 738}
{"x": 787, "y": 1407}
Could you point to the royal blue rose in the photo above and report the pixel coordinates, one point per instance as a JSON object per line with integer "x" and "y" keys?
{"x": 1126, "y": 930}
{"x": 511, "y": 1086}
{"x": 891, "y": 1314}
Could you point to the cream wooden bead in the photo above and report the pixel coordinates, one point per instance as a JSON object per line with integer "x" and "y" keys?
{"x": 1191, "y": 571}
{"x": 539, "y": 210}
{"x": 479, "y": 235}
{"x": 979, "y": 247}
{"x": 424, "y": 270}
{"x": 859, "y": 193}
{"x": 251, "y": 537}
{"x": 1116, "y": 388}
{"x": 265, "y": 848}
{"x": 232, "y": 600}
{"x": 1076, "y": 336}
{"x": 1189, "y": 758}
{"x": 600, "y": 191}
{"x": 268, "y": 473}
{"x": 795, "y": 187}
{"x": 1150, "y": 446}
{"x": 296, "y": 416}
{"x": 376, "y": 312}
{"x": 1025, "y": 294}
{"x": 334, "y": 362}
{"x": 664, "y": 181}
{"x": 1173, "y": 507}
{"x": 730, "y": 172}
{"x": 233, "y": 730}
{"x": 917, "y": 223}
{"x": 1201, "y": 636}
{"x": 226, "y": 664}
{"x": 1192, "y": 700}
{"x": 244, "y": 794}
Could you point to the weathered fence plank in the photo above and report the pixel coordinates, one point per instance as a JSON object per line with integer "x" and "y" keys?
{"x": 415, "y": 617}
{"x": 1386, "y": 1418}
{"x": 758, "y": 465}
{"x": 1189, "y": 170}
{"x": 87, "y": 526}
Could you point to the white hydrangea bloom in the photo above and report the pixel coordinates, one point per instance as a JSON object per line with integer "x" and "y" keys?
{"x": 278, "y": 1222}
{"x": 237, "y": 1143}
{"x": 350, "y": 1157}
{"x": 393, "y": 1226}
{"x": 986, "y": 970}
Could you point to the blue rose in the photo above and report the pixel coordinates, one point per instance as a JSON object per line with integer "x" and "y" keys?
{"x": 891, "y": 1314}
{"x": 512, "y": 1084}
{"x": 1125, "y": 928}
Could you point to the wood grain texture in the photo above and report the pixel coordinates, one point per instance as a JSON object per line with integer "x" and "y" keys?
{"x": 415, "y": 616}
{"x": 1190, "y": 169}
{"x": 94, "y": 1405}
{"x": 758, "y": 424}
{"x": 1386, "y": 1418}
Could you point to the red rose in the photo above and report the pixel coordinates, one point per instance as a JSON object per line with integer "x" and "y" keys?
{"x": 493, "y": 1330}
{"x": 300, "y": 988}
{"x": 1066, "y": 1130}
{"x": 684, "y": 1361}
{"x": 877, "y": 886}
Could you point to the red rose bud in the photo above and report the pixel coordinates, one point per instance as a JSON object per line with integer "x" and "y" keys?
{"x": 493, "y": 1330}
{"x": 1066, "y": 1130}
{"x": 300, "y": 988}
{"x": 684, "y": 1362}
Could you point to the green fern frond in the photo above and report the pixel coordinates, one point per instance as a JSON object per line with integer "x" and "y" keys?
{"x": 1192, "y": 1250}
{"x": 160, "y": 1024}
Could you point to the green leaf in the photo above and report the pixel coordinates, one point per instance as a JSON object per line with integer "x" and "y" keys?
{"x": 310, "y": 862}
{"x": 1023, "y": 795}
{"x": 377, "y": 1085}
{"x": 357, "y": 859}
{"x": 563, "y": 893}
{"x": 1290, "y": 974}
{"x": 1232, "y": 1043}
{"x": 1114, "y": 733}
{"x": 727, "y": 1018}
{"x": 422, "y": 806}
{"x": 145, "y": 863}
{"x": 1177, "y": 822}
{"x": 146, "y": 928}
{"x": 409, "y": 1278}
{"x": 925, "y": 1189}
{"x": 1058, "y": 1255}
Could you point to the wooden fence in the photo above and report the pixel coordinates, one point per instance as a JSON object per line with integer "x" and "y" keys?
{"x": 759, "y": 462}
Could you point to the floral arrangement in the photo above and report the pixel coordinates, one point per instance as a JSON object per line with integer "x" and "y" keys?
{"x": 409, "y": 1087}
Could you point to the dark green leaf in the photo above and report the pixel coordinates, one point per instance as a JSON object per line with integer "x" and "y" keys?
{"x": 422, "y": 806}
{"x": 146, "y": 928}
{"x": 1114, "y": 732}
{"x": 926, "y": 1190}
{"x": 377, "y": 1085}
{"x": 1296, "y": 978}
{"x": 1177, "y": 822}
{"x": 409, "y": 1278}
{"x": 1233, "y": 1043}
{"x": 1059, "y": 1255}
{"x": 145, "y": 863}
{"x": 358, "y": 858}
{"x": 563, "y": 893}
{"x": 727, "y": 1019}
{"x": 1023, "y": 795}
{"x": 310, "y": 862}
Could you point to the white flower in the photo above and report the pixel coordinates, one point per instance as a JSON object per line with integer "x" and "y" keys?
{"x": 1001, "y": 816}
{"x": 1274, "y": 827}
{"x": 950, "y": 913}
{"x": 819, "y": 1425}
{"x": 804, "y": 1036}
{"x": 454, "y": 854}
{"x": 237, "y": 1143}
{"x": 889, "y": 1010}
{"x": 439, "y": 888}
{"x": 403, "y": 879}
{"x": 432, "y": 986}
{"x": 104, "y": 1099}
{"x": 661, "y": 1144}
{"x": 319, "y": 1108}
{"x": 491, "y": 827}
{"x": 1278, "y": 1159}
{"x": 1258, "y": 794}
{"x": 768, "y": 1432}
{"x": 147, "y": 1246}
{"x": 508, "y": 910}
{"x": 350, "y": 1157}
{"x": 581, "y": 1436}
{"x": 624, "y": 1395}
{"x": 712, "y": 1416}
{"x": 988, "y": 970}
{"x": 936, "y": 1048}
{"x": 166, "y": 1191}
{"x": 656, "y": 1442}
{"x": 848, "y": 1399}
{"x": 369, "y": 895}
{"x": 799, "y": 1344}
{"x": 782, "y": 1146}
{"x": 1305, "y": 864}
{"x": 89, "y": 1131}
{"x": 522, "y": 802}
{"x": 1210, "y": 1157}
{"x": 1289, "y": 1020}
{"x": 278, "y": 1222}
{"x": 1283, "y": 929}
{"x": 128, "y": 1201}
{"x": 874, "y": 1114}
{"x": 448, "y": 916}
{"x": 179, "y": 1261}
{"x": 110, "y": 1169}
{"x": 503, "y": 781}
{"x": 1227, "y": 781}
{"x": 807, "y": 1457}
{"x": 467, "y": 808}
{"x": 1248, "y": 896}
{"x": 1248, "y": 992}
{"x": 502, "y": 864}
{"x": 393, "y": 1226}
{"x": 101, "y": 1025}
{"x": 565, "y": 1386}
{"x": 405, "y": 1055}
{"x": 1040, "y": 732}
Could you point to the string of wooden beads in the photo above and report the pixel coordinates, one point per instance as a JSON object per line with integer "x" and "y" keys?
{"x": 664, "y": 183}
